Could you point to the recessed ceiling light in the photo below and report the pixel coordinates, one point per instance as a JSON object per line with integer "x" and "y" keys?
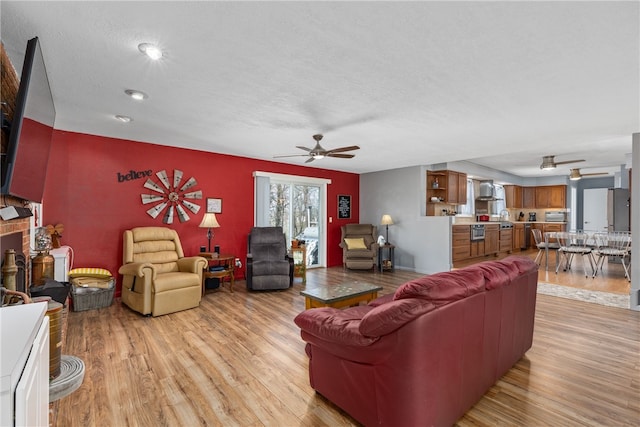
{"x": 124, "y": 119}
{"x": 136, "y": 94}
{"x": 152, "y": 51}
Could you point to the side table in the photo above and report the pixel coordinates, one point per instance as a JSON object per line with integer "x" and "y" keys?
{"x": 227, "y": 264}
{"x": 388, "y": 263}
{"x": 299, "y": 256}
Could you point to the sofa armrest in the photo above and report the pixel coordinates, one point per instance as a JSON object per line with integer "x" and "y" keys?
{"x": 137, "y": 269}
{"x": 335, "y": 326}
{"x": 194, "y": 264}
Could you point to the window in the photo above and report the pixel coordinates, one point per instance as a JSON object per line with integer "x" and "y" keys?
{"x": 470, "y": 207}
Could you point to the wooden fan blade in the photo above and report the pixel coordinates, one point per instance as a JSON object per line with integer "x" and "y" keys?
{"x": 343, "y": 149}
{"x": 569, "y": 161}
{"x": 293, "y": 155}
{"x": 311, "y": 159}
{"x": 341, "y": 156}
{"x": 303, "y": 148}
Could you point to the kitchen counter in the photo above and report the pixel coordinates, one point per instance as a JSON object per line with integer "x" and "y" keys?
{"x": 463, "y": 222}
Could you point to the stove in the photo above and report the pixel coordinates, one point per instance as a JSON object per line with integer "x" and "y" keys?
{"x": 506, "y": 224}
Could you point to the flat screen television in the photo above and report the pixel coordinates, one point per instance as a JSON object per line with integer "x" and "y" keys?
{"x": 24, "y": 167}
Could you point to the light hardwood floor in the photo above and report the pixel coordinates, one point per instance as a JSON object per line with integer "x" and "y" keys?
{"x": 238, "y": 360}
{"x": 609, "y": 279}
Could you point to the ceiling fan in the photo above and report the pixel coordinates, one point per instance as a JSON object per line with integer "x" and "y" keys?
{"x": 318, "y": 152}
{"x": 549, "y": 163}
{"x": 576, "y": 175}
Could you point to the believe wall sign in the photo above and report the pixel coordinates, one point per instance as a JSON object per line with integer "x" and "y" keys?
{"x": 131, "y": 175}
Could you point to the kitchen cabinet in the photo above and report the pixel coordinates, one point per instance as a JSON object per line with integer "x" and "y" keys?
{"x": 506, "y": 240}
{"x": 462, "y": 188}
{"x": 518, "y": 235}
{"x": 476, "y": 248}
{"x": 529, "y": 197}
{"x": 491, "y": 238}
{"x": 552, "y": 228}
{"x": 551, "y": 196}
{"x": 513, "y": 196}
{"x": 460, "y": 242}
{"x": 24, "y": 351}
{"x": 449, "y": 187}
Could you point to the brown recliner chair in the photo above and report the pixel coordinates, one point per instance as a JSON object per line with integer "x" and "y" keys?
{"x": 157, "y": 277}
{"x": 268, "y": 264}
{"x": 359, "y": 246}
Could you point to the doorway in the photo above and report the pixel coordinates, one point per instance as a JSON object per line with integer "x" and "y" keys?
{"x": 594, "y": 209}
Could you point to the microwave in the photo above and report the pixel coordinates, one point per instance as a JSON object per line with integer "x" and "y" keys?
{"x": 555, "y": 216}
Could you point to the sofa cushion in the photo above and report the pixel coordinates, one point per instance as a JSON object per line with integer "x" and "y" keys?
{"x": 334, "y": 325}
{"x": 443, "y": 288}
{"x": 386, "y": 318}
{"x": 355, "y": 243}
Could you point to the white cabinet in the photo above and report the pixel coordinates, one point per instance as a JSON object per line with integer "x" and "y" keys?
{"x": 24, "y": 351}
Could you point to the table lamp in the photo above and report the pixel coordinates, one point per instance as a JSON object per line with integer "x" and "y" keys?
{"x": 387, "y": 221}
{"x": 209, "y": 221}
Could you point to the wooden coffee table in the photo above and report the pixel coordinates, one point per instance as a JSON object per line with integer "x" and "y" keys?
{"x": 339, "y": 296}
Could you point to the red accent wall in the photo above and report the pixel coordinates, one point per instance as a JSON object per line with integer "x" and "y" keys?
{"x": 83, "y": 193}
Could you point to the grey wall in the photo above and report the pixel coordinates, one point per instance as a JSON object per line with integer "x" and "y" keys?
{"x": 423, "y": 244}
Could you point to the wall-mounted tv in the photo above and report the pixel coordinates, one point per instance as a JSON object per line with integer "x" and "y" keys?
{"x": 24, "y": 167}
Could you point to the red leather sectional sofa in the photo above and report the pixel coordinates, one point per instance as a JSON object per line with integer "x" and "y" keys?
{"x": 427, "y": 353}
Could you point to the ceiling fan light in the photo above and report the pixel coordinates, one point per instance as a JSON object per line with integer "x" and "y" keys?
{"x": 547, "y": 163}
{"x": 318, "y": 156}
{"x": 575, "y": 175}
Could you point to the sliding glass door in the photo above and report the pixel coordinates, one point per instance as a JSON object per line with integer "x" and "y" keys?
{"x": 297, "y": 204}
{"x": 296, "y": 208}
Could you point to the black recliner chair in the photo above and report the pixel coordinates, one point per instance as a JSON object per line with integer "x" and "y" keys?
{"x": 268, "y": 265}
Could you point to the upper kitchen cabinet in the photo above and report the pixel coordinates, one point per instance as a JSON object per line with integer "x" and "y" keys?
{"x": 551, "y": 196}
{"x": 513, "y": 196}
{"x": 529, "y": 197}
{"x": 446, "y": 186}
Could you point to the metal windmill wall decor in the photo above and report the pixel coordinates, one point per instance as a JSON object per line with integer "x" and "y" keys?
{"x": 171, "y": 196}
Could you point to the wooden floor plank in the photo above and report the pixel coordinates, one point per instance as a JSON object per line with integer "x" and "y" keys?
{"x": 238, "y": 359}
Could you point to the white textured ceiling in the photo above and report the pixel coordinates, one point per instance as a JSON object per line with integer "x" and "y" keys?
{"x": 412, "y": 83}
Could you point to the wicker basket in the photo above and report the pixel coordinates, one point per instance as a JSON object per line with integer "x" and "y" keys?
{"x": 92, "y": 298}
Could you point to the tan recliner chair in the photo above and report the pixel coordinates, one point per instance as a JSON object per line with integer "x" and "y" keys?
{"x": 157, "y": 278}
{"x": 359, "y": 246}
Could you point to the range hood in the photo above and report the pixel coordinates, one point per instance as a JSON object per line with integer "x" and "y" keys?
{"x": 486, "y": 192}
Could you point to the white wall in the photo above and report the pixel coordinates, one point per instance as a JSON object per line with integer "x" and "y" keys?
{"x": 423, "y": 244}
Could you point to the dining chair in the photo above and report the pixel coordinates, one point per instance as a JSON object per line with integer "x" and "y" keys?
{"x": 615, "y": 244}
{"x": 575, "y": 243}
{"x": 544, "y": 245}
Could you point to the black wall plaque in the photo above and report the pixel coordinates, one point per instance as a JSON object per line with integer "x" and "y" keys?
{"x": 344, "y": 206}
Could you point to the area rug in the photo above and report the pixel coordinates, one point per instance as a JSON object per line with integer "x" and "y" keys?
{"x": 596, "y": 297}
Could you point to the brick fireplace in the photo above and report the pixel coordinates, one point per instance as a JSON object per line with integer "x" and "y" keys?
{"x": 15, "y": 234}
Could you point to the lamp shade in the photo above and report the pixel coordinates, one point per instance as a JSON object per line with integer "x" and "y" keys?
{"x": 209, "y": 221}
{"x": 386, "y": 220}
